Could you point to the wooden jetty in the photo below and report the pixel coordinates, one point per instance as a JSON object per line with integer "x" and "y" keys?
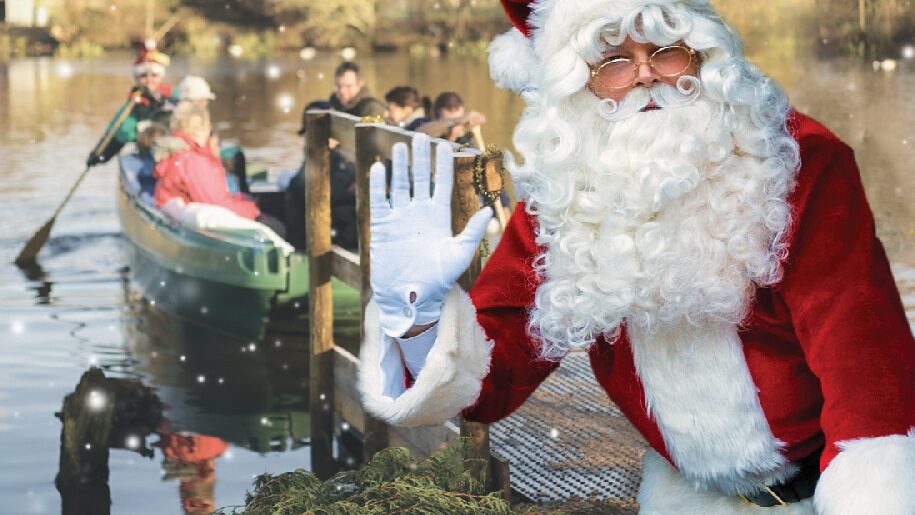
{"x": 333, "y": 369}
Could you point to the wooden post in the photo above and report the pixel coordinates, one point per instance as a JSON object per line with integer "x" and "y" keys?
{"x": 465, "y": 201}
{"x": 375, "y": 437}
{"x": 86, "y": 416}
{"x": 320, "y": 295}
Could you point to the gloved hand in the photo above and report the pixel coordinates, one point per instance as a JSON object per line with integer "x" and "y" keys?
{"x": 94, "y": 159}
{"x": 413, "y": 252}
{"x": 143, "y": 91}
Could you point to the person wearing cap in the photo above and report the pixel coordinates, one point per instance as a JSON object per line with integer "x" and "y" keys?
{"x": 151, "y": 96}
{"x": 196, "y": 90}
{"x": 710, "y": 248}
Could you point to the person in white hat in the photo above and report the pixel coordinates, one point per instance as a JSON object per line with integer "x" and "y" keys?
{"x": 709, "y": 246}
{"x": 194, "y": 89}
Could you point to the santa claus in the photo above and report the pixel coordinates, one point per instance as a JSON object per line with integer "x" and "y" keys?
{"x": 711, "y": 248}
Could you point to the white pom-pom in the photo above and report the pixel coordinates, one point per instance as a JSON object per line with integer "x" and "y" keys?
{"x": 512, "y": 62}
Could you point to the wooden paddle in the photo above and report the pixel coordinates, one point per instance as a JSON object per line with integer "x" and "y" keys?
{"x": 30, "y": 250}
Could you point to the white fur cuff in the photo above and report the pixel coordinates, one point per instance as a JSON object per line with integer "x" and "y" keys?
{"x": 512, "y": 62}
{"x": 451, "y": 378}
{"x": 870, "y": 475}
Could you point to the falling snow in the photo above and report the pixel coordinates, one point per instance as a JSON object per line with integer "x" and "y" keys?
{"x": 96, "y": 400}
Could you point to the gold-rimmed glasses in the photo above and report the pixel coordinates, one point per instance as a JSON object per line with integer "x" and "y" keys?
{"x": 618, "y": 72}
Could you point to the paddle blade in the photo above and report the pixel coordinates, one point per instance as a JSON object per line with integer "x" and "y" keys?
{"x": 33, "y": 246}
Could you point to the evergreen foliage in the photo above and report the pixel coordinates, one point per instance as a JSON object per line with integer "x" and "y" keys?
{"x": 392, "y": 482}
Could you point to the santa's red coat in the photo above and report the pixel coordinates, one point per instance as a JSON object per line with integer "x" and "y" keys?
{"x": 829, "y": 348}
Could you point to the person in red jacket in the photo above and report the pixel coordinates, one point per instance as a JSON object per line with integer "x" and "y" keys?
{"x": 711, "y": 248}
{"x": 196, "y": 174}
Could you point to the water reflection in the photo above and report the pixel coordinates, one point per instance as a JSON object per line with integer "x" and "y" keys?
{"x": 191, "y": 396}
{"x": 252, "y": 394}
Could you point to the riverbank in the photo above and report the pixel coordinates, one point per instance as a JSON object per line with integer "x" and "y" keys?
{"x": 26, "y": 41}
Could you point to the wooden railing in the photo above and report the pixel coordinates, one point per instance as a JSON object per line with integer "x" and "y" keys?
{"x": 333, "y": 369}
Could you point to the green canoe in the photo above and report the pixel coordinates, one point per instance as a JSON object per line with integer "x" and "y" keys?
{"x": 229, "y": 281}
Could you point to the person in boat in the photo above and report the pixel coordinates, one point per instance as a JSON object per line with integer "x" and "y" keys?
{"x": 406, "y": 109}
{"x": 451, "y": 120}
{"x": 152, "y": 104}
{"x": 711, "y": 248}
{"x": 145, "y": 159}
{"x": 351, "y": 95}
{"x": 194, "y": 172}
{"x": 196, "y": 90}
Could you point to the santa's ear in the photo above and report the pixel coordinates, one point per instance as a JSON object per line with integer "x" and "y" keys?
{"x": 512, "y": 62}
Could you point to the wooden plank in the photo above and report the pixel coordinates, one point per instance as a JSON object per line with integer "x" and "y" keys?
{"x": 422, "y": 441}
{"x": 375, "y": 434}
{"x": 343, "y": 129}
{"x": 501, "y": 477}
{"x": 345, "y": 266}
{"x": 320, "y": 295}
{"x": 464, "y": 203}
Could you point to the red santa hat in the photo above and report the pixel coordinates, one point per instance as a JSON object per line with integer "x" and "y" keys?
{"x": 543, "y": 28}
{"x": 150, "y": 60}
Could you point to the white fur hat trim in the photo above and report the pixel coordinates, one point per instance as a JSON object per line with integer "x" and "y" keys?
{"x": 512, "y": 62}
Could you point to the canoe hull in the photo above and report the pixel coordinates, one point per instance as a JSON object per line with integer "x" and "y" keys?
{"x": 233, "y": 309}
{"x": 208, "y": 278}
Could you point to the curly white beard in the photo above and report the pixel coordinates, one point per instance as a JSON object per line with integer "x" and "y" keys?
{"x": 664, "y": 217}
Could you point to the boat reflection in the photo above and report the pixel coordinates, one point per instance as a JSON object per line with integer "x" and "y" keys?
{"x": 187, "y": 394}
{"x": 252, "y": 394}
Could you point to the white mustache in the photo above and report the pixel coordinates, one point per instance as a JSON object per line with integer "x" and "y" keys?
{"x": 663, "y": 95}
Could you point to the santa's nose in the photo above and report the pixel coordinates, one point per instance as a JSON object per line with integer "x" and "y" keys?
{"x": 645, "y": 75}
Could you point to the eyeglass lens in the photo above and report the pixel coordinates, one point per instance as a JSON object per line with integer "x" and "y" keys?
{"x": 666, "y": 61}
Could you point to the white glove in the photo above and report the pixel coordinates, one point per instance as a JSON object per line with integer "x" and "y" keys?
{"x": 413, "y": 251}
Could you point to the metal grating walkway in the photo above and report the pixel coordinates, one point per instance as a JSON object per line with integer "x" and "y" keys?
{"x": 569, "y": 441}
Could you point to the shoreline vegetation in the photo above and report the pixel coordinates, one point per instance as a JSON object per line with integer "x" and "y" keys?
{"x": 871, "y": 29}
{"x": 393, "y": 482}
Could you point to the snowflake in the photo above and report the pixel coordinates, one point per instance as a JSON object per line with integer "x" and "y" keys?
{"x": 96, "y": 400}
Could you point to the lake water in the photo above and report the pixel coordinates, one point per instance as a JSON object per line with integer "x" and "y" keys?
{"x": 244, "y": 400}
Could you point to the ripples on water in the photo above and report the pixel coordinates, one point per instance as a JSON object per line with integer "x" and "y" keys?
{"x": 80, "y": 309}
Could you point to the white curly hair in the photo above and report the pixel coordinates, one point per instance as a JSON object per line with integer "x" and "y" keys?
{"x": 663, "y": 217}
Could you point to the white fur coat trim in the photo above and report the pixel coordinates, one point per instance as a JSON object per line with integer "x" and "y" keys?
{"x": 870, "y": 475}
{"x": 450, "y": 380}
{"x": 700, "y": 392}
{"x": 512, "y": 63}
{"x": 665, "y": 492}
